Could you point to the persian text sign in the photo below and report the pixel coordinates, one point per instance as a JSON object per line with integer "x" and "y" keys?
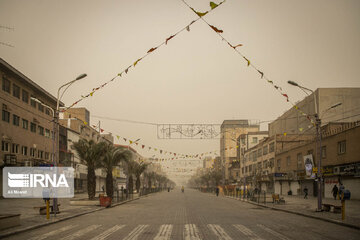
{"x": 38, "y": 182}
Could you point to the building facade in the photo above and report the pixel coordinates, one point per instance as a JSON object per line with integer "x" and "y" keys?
{"x": 230, "y": 131}
{"x": 26, "y": 127}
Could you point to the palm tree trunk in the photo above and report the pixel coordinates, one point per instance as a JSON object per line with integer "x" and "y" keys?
{"x": 109, "y": 184}
{"x": 91, "y": 182}
{"x": 137, "y": 184}
{"x": 131, "y": 184}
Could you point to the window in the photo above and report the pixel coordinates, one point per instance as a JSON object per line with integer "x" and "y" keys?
{"x": 246, "y": 169}
{"x": 265, "y": 150}
{"x": 5, "y": 146}
{"x": 47, "y": 156}
{"x": 47, "y": 133}
{"x": 271, "y": 162}
{"x": 288, "y": 160}
{"x": 250, "y": 168}
{"x": 25, "y": 96}
{"x": 254, "y": 139}
{"x": 40, "y": 154}
{"x": 5, "y": 84}
{"x": 265, "y": 164}
{"x": 278, "y": 164}
{"x": 41, "y": 131}
{"x": 341, "y": 147}
{"x": 16, "y": 91}
{"x": 32, "y": 102}
{"x": 32, "y": 152}
{"x": 41, "y": 107}
{"x": 25, "y": 124}
{"x": 259, "y": 153}
{"x": 52, "y": 135}
{"x": 33, "y": 127}
{"x": 242, "y": 170}
{"x": 299, "y": 160}
{"x": 5, "y": 116}
{"x": 47, "y": 111}
{"x": 271, "y": 147}
{"x": 15, "y": 148}
{"x": 16, "y": 120}
{"x": 323, "y": 152}
{"x": 24, "y": 150}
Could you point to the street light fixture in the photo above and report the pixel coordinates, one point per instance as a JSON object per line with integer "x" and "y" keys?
{"x": 318, "y": 140}
{"x": 56, "y": 125}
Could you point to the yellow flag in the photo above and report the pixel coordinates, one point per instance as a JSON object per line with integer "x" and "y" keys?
{"x": 91, "y": 93}
{"x": 118, "y": 137}
{"x": 85, "y": 123}
{"x": 130, "y": 141}
{"x": 285, "y": 133}
{"x": 213, "y": 5}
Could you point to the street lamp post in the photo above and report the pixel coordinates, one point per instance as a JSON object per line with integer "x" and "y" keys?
{"x": 318, "y": 141}
{"x": 56, "y": 125}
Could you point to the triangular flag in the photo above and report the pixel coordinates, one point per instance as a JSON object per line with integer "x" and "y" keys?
{"x": 130, "y": 141}
{"x": 117, "y": 137}
{"x": 124, "y": 139}
{"x": 137, "y": 61}
{"x": 169, "y": 38}
{"x": 213, "y": 5}
{"x": 151, "y": 50}
{"x": 248, "y": 61}
{"x": 216, "y": 30}
{"x": 143, "y": 146}
{"x": 261, "y": 73}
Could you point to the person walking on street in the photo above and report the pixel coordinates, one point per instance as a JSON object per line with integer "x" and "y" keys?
{"x": 217, "y": 191}
{"x": 335, "y": 191}
{"x": 306, "y": 192}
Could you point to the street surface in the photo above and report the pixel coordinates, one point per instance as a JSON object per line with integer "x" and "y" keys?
{"x": 192, "y": 216}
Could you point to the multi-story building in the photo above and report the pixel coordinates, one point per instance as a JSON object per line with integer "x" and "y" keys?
{"x": 230, "y": 131}
{"x": 326, "y": 101}
{"x": 26, "y": 127}
{"x": 76, "y": 121}
{"x": 208, "y": 162}
{"x": 258, "y": 166}
{"x": 244, "y": 142}
{"x": 340, "y": 162}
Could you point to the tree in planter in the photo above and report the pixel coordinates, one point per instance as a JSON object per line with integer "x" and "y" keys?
{"x": 139, "y": 169}
{"x": 112, "y": 157}
{"x": 90, "y": 154}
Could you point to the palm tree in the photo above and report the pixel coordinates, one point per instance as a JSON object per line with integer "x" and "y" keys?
{"x": 130, "y": 170}
{"x": 139, "y": 169}
{"x": 112, "y": 157}
{"x": 90, "y": 154}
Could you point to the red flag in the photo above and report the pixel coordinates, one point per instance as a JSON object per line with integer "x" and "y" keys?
{"x": 151, "y": 50}
{"x": 216, "y": 30}
{"x": 169, "y": 38}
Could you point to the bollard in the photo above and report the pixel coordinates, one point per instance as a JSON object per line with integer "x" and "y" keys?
{"x": 47, "y": 210}
{"x": 342, "y": 207}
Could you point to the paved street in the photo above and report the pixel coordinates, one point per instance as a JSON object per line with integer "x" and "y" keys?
{"x": 192, "y": 215}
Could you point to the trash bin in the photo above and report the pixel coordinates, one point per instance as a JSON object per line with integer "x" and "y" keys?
{"x": 105, "y": 201}
{"x": 347, "y": 195}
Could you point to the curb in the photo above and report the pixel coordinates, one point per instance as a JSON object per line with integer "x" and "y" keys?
{"x": 301, "y": 214}
{"x": 62, "y": 219}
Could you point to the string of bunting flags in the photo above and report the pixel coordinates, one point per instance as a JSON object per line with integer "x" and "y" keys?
{"x": 248, "y": 62}
{"x": 173, "y": 155}
{"x": 151, "y": 50}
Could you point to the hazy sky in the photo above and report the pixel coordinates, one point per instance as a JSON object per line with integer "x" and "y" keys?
{"x": 196, "y": 77}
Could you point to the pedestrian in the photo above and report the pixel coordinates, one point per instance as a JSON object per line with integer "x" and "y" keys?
{"x": 306, "y": 192}
{"x": 217, "y": 191}
{"x": 335, "y": 191}
{"x": 103, "y": 188}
